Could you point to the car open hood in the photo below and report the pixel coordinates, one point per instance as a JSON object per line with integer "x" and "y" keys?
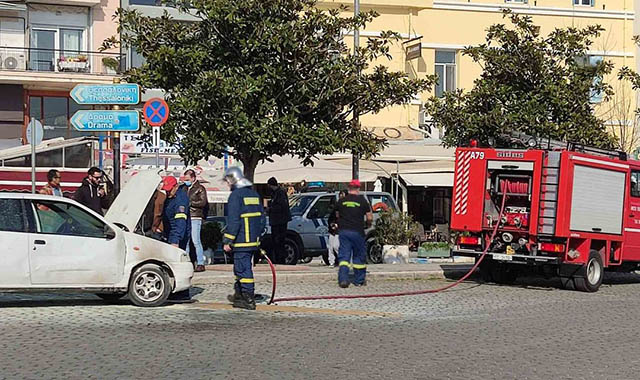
{"x": 129, "y": 205}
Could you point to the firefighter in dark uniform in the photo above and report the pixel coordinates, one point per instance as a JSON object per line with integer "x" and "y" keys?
{"x": 245, "y": 224}
{"x": 176, "y": 221}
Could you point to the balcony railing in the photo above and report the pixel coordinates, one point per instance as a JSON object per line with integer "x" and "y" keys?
{"x": 61, "y": 61}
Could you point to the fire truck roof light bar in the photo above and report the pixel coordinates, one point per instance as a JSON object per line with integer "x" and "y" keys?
{"x": 549, "y": 144}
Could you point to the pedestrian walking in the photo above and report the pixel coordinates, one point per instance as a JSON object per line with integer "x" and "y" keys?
{"x": 279, "y": 217}
{"x": 352, "y": 210}
{"x": 246, "y": 222}
{"x": 333, "y": 245}
{"x": 91, "y": 193}
{"x": 197, "y": 202}
{"x": 176, "y": 221}
{"x": 53, "y": 184}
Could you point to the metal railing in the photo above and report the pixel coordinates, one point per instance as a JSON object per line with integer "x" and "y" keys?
{"x": 61, "y": 61}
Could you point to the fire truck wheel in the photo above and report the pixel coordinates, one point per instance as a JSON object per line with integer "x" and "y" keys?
{"x": 594, "y": 274}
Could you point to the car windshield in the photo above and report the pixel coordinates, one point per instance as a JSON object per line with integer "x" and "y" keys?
{"x": 298, "y": 204}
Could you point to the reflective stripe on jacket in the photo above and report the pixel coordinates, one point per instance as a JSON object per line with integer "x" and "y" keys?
{"x": 246, "y": 220}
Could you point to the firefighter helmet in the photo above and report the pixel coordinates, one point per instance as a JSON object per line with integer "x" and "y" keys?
{"x": 235, "y": 177}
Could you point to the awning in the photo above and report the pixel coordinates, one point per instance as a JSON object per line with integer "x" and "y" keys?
{"x": 287, "y": 169}
{"x": 428, "y": 179}
{"x": 4, "y": 6}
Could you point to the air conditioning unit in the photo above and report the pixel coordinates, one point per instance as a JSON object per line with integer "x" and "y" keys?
{"x": 13, "y": 61}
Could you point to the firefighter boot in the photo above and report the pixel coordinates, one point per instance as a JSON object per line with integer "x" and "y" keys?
{"x": 233, "y": 297}
{"x": 246, "y": 301}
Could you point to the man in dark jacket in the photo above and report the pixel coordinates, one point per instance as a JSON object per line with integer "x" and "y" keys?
{"x": 279, "y": 217}
{"x": 198, "y": 201}
{"x": 90, "y": 193}
{"x": 176, "y": 221}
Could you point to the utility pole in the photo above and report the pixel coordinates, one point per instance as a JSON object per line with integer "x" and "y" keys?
{"x": 355, "y": 159}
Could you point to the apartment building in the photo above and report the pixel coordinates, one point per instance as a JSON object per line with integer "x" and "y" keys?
{"x": 434, "y": 32}
{"x": 46, "y": 48}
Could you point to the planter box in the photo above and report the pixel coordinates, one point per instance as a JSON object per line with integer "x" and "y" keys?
{"x": 73, "y": 66}
{"x": 439, "y": 252}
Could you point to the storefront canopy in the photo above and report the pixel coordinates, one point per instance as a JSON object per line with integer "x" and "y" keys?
{"x": 6, "y": 6}
{"x": 429, "y": 179}
{"x": 287, "y": 169}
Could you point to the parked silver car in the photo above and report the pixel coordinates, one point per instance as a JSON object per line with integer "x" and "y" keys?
{"x": 308, "y": 231}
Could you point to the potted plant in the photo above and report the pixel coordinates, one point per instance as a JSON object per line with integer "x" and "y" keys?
{"x": 434, "y": 249}
{"x": 211, "y": 237}
{"x": 111, "y": 65}
{"x": 394, "y": 232}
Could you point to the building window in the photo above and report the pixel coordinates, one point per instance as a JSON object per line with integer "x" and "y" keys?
{"x": 54, "y": 113}
{"x": 585, "y": 3}
{"x": 137, "y": 60}
{"x": 592, "y": 61}
{"x": 70, "y": 42}
{"x": 446, "y": 71}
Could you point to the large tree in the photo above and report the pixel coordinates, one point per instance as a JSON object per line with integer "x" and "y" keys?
{"x": 540, "y": 86}
{"x": 259, "y": 78}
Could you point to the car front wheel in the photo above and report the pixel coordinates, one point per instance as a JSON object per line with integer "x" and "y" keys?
{"x": 291, "y": 252}
{"x": 149, "y": 286}
{"x": 374, "y": 252}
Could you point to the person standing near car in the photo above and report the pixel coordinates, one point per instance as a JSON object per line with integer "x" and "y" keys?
{"x": 176, "y": 221}
{"x": 352, "y": 210}
{"x": 198, "y": 201}
{"x": 53, "y": 184}
{"x": 90, "y": 193}
{"x": 245, "y": 224}
{"x": 279, "y": 217}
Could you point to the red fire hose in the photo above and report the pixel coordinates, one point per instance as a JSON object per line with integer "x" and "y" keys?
{"x": 382, "y": 295}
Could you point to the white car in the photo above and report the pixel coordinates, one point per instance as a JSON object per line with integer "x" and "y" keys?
{"x": 56, "y": 244}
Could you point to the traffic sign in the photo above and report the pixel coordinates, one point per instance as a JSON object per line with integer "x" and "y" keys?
{"x": 99, "y": 120}
{"x": 124, "y": 93}
{"x": 155, "y": 112}
{"x": 39, "y": 132}
{"x": 156, "y": 137}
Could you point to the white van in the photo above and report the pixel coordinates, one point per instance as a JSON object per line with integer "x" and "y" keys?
{"x": 51, "y": 244}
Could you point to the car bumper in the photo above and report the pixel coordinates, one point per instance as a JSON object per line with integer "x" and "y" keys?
{"x": 183, "y": 273}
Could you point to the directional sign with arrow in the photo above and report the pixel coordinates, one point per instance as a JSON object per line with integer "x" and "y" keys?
{"x": 124, "y": 93}
{"x": 98, "y": 120}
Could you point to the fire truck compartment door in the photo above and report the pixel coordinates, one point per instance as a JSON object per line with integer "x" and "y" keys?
{"x": 597, "y": 201}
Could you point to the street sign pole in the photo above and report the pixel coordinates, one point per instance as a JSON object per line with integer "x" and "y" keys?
{"x": 355, "y": 158}
{"x": 116, "y": 154}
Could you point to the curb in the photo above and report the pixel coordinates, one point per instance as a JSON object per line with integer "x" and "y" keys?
{"x": 288, "y": 278}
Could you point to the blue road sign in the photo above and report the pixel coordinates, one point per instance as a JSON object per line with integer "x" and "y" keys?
{"x": 123, "y": 93}
{"x": 95, "y": 121}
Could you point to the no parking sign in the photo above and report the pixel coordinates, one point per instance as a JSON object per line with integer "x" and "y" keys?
{"x": 156, "y": 112}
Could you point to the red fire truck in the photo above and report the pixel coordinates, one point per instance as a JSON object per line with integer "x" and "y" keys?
{"x": 569, "y": 211}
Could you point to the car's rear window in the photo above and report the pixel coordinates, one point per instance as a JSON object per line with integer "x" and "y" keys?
{"x": 12, "y": 216}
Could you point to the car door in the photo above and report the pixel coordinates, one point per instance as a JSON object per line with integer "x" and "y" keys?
{"x": 14, "y": 236}
{"x": 73, "y": 247}
{"x": 316, "y": 226}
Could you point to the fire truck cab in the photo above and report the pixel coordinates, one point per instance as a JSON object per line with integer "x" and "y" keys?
{"x": 568, "y": 211}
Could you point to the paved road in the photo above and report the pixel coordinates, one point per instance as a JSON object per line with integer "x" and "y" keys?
{"x": 529, "y": 331}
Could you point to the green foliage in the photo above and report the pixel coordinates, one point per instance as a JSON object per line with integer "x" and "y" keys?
{"x": 211, "y": 235}
{"x": 432, "y": 245}
{"x": 395, "y": 228}
{"x": 536, "y": 85}
{"x": 265, "y": 77}
{"x": 111, "y": 63}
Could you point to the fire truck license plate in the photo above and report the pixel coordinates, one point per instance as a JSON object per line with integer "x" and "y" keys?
{"x": 500, "y": 256}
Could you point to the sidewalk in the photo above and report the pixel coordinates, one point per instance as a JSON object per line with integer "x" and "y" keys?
{"x": 434, "y": 268}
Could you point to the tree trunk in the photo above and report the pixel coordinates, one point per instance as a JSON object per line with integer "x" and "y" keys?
{"x": 250, "y": 163}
